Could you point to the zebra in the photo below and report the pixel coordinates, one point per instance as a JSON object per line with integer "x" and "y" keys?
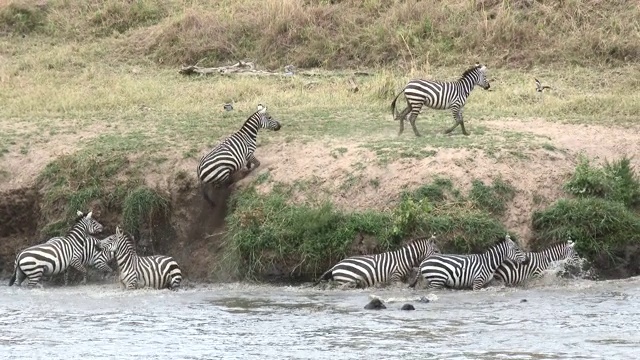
{"x": 234, "y": 152}
{"x": 440, "y": 95}
{"x": 464, "y": 271}
{"x": 155, "y": 271}
{"x": 391, "y": 266}
{"x": 513, "y": 274}
{"x": 52, "y": 258}
{"x": 91, "y": 255}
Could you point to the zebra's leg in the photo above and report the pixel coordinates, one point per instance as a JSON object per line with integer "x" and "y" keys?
{"x": 34, "y": 278}
{"x": 461, "y": 122}
{"x": 78, "y": 266}
{"x": 455, "y": 112}
{"x": 402, "y": 117}
{"x": 252, "y": 160}
{"x": 412, "y": 119}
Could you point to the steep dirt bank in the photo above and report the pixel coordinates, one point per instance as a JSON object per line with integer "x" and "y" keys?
{"x": 353, "y": 178}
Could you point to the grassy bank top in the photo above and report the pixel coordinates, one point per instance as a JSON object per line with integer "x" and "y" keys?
{"x": 341, "y": 34}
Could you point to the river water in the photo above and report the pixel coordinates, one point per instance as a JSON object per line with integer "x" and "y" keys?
{"x": 561, "y": 319}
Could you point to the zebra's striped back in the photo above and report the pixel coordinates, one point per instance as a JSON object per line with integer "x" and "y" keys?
{"x": 512, "y": 273}
{"x": 156, "y": 271}
{"x": 90, "y": 255}
{"x": 368, "y": 270}
{"x": 467, "y": 271}
{"x": 235, "y": 151}
{"x": 56, "y": 255}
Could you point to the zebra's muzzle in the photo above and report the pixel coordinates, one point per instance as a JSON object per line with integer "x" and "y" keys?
{"x": 276, "y": 127}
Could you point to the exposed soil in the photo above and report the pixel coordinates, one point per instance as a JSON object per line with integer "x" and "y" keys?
{"x": 195, "y": 231}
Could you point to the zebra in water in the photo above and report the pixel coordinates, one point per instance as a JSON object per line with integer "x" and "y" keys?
{"x": 52, "y": 258}
{"x": 155, "y": 271}
{"x": 467, "y": 271}
{"x": 513, "y": 274}
{"x": 391, "y": 266}
{"x": 234, "y": 152}
{"x": 91, "y": 255}
{"x": 440, "y": 95}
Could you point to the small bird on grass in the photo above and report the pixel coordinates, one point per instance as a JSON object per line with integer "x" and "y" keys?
{"x": 540, "y": 87}
{"x": 228, "y": 107}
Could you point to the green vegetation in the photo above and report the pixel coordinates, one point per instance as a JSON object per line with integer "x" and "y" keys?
{"x": 603, "y": 220}
{"x": 76, "y": 182}
{"x": 270, "y": 233}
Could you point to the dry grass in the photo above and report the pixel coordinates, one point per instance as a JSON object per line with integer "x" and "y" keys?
{"x": 345, "y": 34}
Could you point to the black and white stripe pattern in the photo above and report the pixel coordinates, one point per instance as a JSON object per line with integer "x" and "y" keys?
{"x": 236, "y": 151}
{"x": 467, "y": 271}
{"x": 155, "y": 271}
{"x": 55, "y": 256}
{"x": 440, "y": 96}
{"x": 512, "y": 273}
{"x": 91, "y": 255}
{"x": 392, "y": 266}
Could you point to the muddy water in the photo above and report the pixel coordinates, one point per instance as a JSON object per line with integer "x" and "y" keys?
{"x": 561, "y": 319}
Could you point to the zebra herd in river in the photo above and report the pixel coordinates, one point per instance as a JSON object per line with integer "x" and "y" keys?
{"x": 79, "y": 249}
{"x": 504, "y": 261}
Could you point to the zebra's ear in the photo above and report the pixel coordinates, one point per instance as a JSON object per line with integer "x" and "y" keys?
{"x": 79, "y": 213}
{"x": 89, "y": 214}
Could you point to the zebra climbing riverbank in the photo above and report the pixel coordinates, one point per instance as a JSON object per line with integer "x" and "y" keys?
{"x": 512, "y": 273}
{"x": 52, "y": 258}
{"x": 391, "y": 266}
{"x": 467, "y": 271}
{"x": 236, "y": 151}
{"x": 155, "y": 271}
{"x": 440, "y": 95}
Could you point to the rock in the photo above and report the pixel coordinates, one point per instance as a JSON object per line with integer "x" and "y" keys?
{"x": 523, "y": 300}
{"x": 375, "y": 304}
{"x": 407, "y": 307}
{"x": 423, "y": 299}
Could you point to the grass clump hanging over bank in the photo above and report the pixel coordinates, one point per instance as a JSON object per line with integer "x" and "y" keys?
{"x": 86, "y": 180}
{"x": 603, "y": 219}
{"x": 274, "y": 237}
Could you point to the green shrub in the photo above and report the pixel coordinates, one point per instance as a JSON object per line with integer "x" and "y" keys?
{"x": 21, "y": 18}
{"x": 602, "y": 229}
{"x": 614, "y": 181}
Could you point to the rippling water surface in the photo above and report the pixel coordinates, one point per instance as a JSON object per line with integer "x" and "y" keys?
{"x": 561, "y": 319}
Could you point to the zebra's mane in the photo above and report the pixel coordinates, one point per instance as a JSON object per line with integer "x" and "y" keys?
{"x": 470, "y": 70}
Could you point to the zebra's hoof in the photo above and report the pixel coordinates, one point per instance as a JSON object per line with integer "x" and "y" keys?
{"x": 407, "y": 307}
{"x": 375, "y": 304}
{"x": 466, "y": 133}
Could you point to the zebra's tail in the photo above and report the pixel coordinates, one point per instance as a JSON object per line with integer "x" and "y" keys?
{"x": 326, "y": 276}
{"x": 13, "y": 277}
{"x": 393, "y": 106}
{"x": 205, "y": 194}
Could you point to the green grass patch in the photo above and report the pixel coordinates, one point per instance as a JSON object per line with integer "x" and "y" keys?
{"x": 143, "y": 206}
{"x": 268, "y": 233}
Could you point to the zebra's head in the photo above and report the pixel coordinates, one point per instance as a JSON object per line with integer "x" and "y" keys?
{"x": 426, "y": 248}
{"x": 91, "y": 225}
{"x": 570, "y": 253}
{"x": 113, "y": 242}
{"x": 477, "y": 75}
{"x": 513, "y": 251}
{"x": 265, "y": 120}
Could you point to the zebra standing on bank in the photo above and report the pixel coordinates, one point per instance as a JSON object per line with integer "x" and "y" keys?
{"x": 440, "y": 95}
{"x": 234, "y": 152}
{"x": 513, "y": 274}
{"x": 91, "y": 255}
{"x": 391, "y": 266}
{"x": 467, "y": 271}
{"x": 52, "y": 258}
{"x": 155, "y": 271}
